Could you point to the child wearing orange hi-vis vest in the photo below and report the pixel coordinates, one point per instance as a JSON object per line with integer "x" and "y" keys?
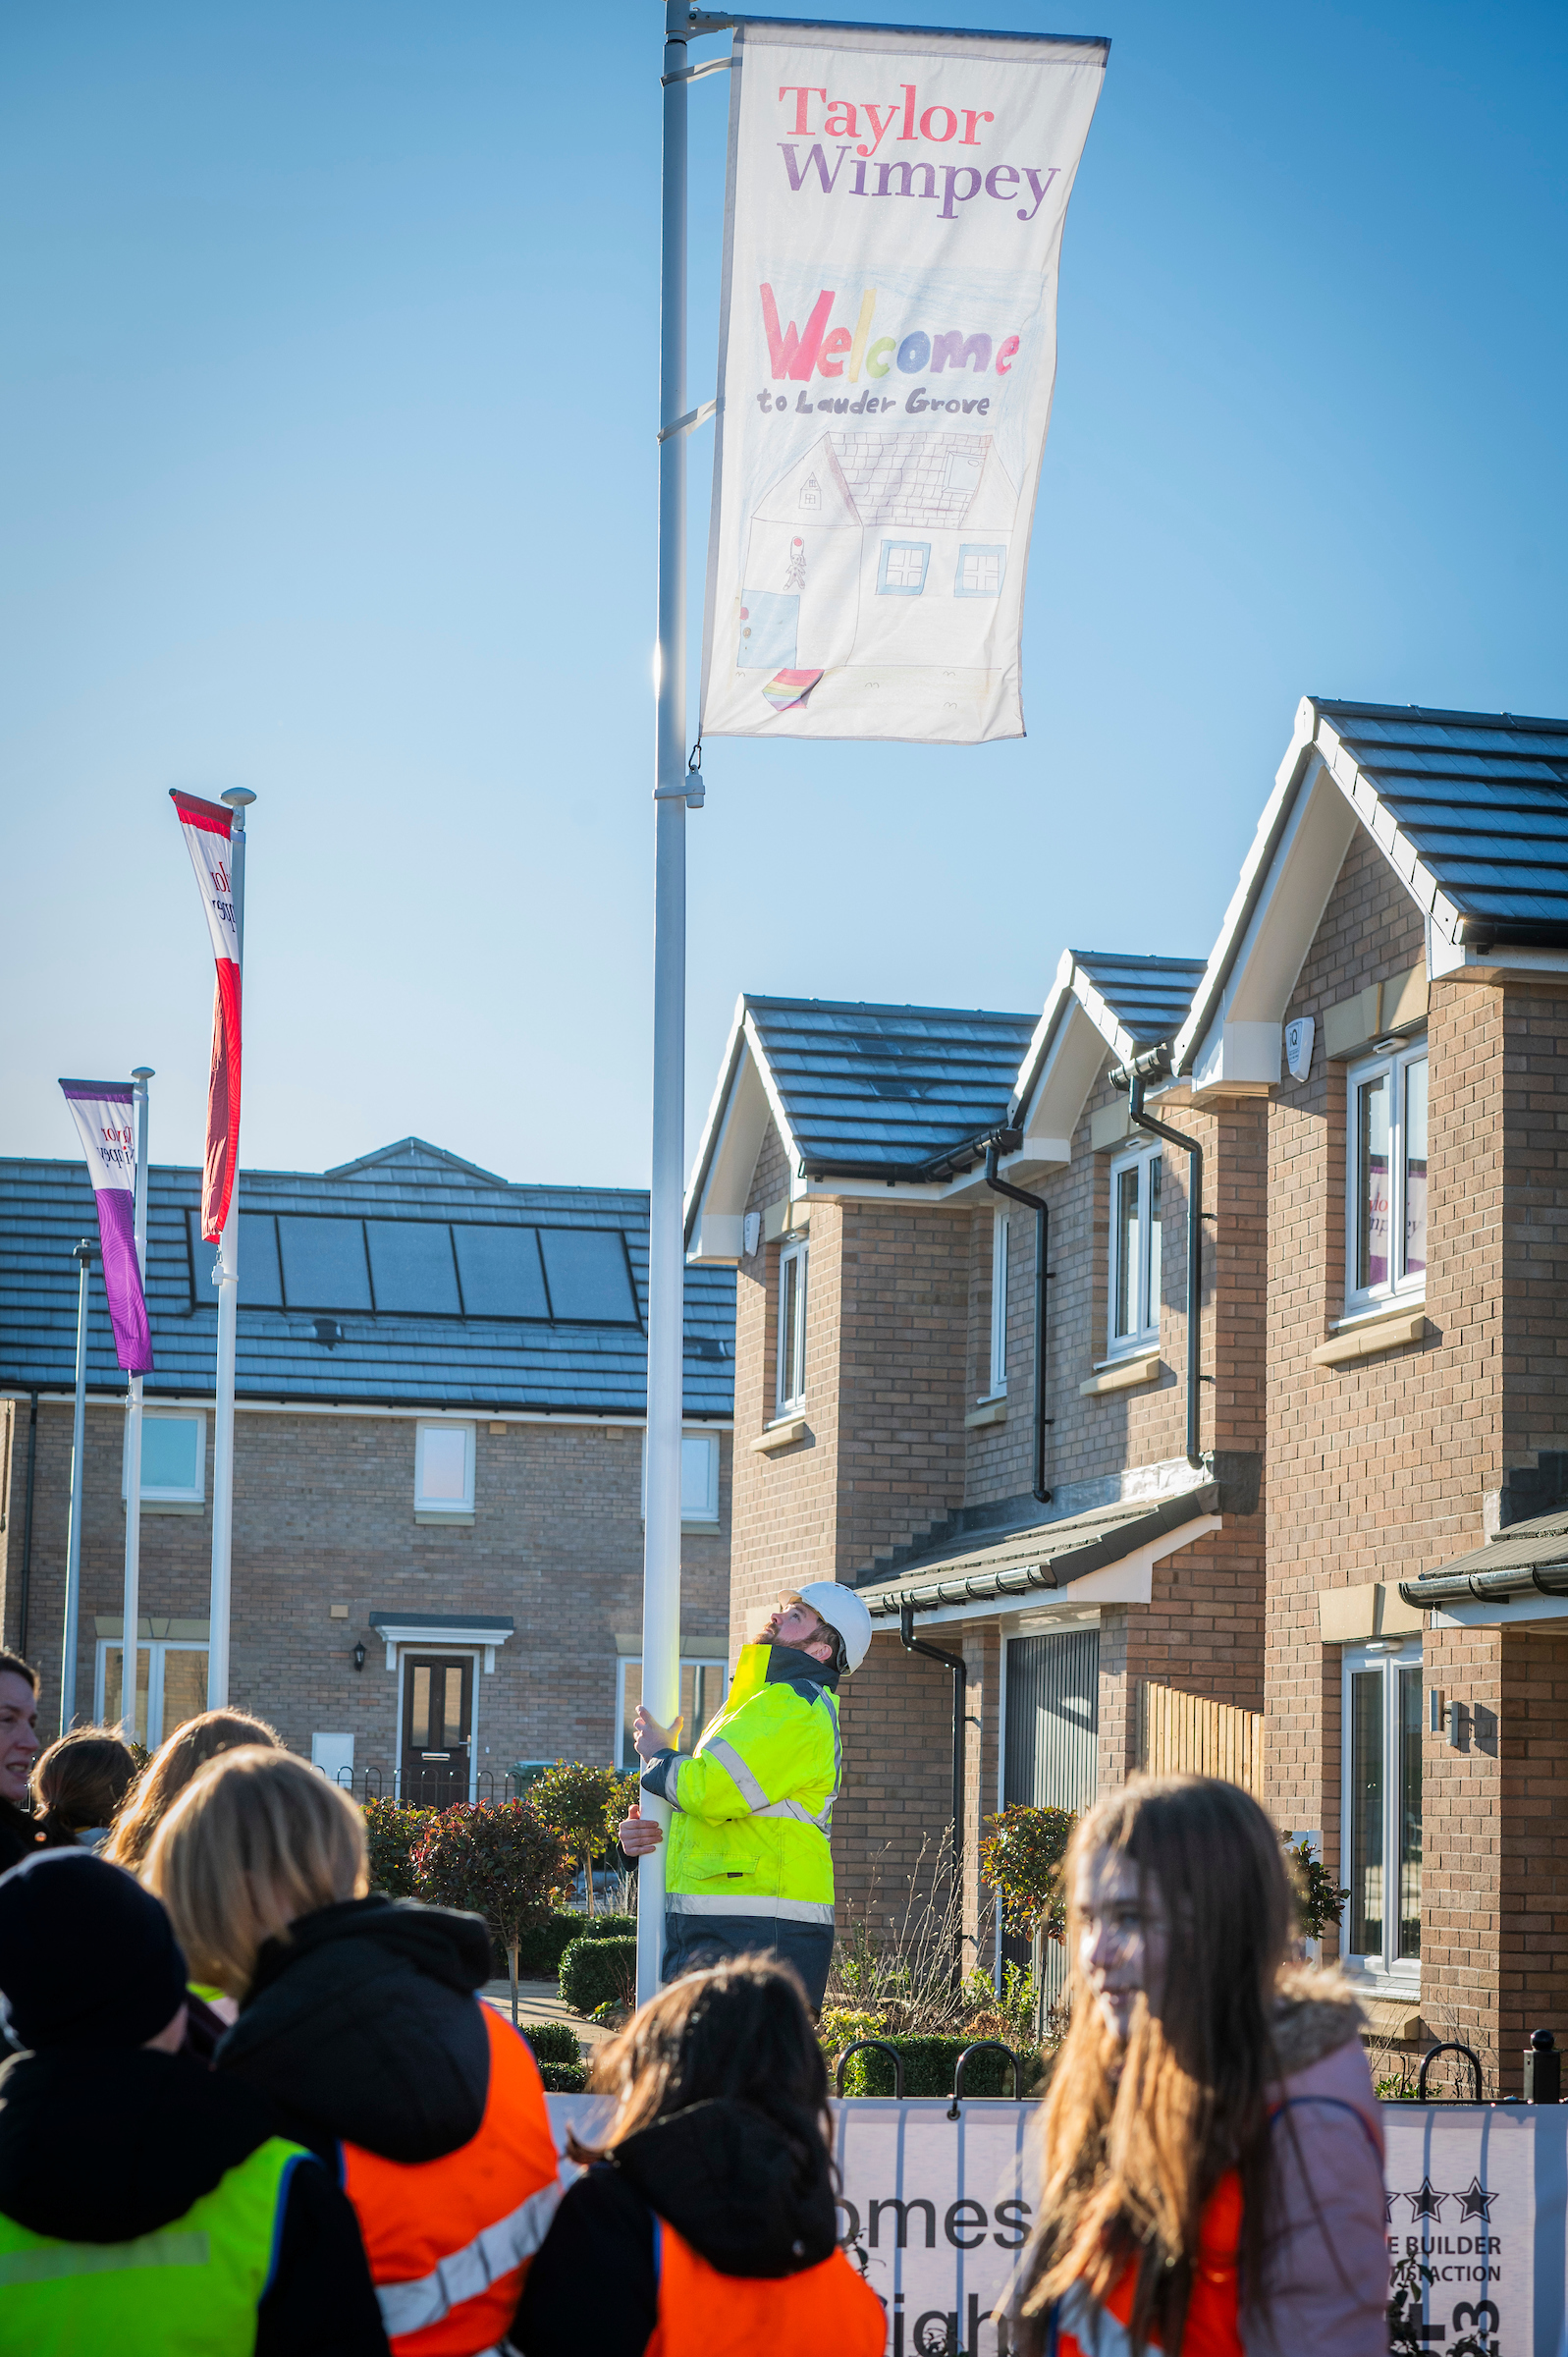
{"x": 704, "y": 2226}
{"x": 359, "y": 2023}
{"x": 1210, "y": 2155}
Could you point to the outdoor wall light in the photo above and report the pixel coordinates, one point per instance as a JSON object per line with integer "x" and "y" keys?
{"x": 360, "y": 1655}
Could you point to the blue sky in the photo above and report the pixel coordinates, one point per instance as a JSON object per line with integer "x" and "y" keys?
{"x": 327, "y": 409}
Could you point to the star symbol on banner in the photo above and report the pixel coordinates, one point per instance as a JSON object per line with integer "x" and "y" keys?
{"x": 1476, "y": 2201}
{"x": 1426, "y": 2202}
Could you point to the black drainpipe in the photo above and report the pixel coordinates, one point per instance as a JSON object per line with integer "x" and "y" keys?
{"x": 961, "y": 1695}
{"x": 1132, "y": 1077}
{"x": 26, "y": 1581}
{"x": 1007, "y": 1141}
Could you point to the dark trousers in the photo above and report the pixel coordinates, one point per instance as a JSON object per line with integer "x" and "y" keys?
{"x": 694, "y": 1942}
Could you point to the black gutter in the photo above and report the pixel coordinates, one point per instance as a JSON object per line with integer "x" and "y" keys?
{"x": 26, "y": 1581}
{"x": 1133, "y": 1077}
{"x": 961, "y": 1695}
{"x": 1459, "y": 1587}
{"x": 1008, "y": 1141}
{"x": 1480, "y": 933}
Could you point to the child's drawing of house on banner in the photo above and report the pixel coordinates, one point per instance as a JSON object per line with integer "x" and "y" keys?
{"x": 874, "y": 551}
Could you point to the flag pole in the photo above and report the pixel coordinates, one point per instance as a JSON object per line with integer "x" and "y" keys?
{"x": 661, "y": 1569}
{"x": 83, "y": 1254}
{"x": 130, "y": 1622}
{"x": 227, "y": 1275}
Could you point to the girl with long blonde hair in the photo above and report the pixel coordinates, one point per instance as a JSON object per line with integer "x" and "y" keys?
{"x": 1210, "y": 2155}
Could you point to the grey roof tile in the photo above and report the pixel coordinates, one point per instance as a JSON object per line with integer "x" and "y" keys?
{"x": 1151, "y": 996}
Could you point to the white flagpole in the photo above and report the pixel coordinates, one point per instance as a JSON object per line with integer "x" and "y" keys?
{"x": 84, "y": 1254}
{"x": 227, "y": 1275}
{"x": 131, "y": 1620}
{"x": 661, "y": 1569}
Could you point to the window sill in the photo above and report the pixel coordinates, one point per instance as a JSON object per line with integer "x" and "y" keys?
{"x": 1362, "y": 1338}
{"x": 989, "y": 1412}
{"x": 169, "y": 1505}
{"x": 1121, "y": 1374}
{"x": 458, "y": 1517}
{"x": 782, "y": 1435}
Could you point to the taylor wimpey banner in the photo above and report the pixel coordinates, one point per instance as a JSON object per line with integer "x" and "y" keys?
{"x": 935, "y": 2211}
{"x": 887, "y": 348}
{"x": 205, "y": 827}
{"x": 105, "y": 1115}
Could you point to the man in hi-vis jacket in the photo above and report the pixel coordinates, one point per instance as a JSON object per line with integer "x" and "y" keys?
{"x": 750, "y": 1864}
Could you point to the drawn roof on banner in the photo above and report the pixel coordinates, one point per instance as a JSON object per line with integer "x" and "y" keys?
{"x": 406, "y": 1277}
{"x": 919, "y": 479}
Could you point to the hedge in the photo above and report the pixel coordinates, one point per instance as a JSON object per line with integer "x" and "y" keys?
{"x": 928, "y": 2067}
{"x": 540, "y": 1949}
{"x": 564, "y": 2078}
{"x": 599, "y": 1972}
{"x": 552, "y": 2042}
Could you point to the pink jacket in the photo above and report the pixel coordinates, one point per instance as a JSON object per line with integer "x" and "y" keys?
{"x": 1326, "y": 2262}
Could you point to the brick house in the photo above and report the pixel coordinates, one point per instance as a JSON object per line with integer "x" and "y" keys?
{"x": 1343, "y": 1578}
{"x": 437, "y": 1563}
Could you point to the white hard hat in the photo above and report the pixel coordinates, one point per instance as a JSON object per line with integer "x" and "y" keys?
{"x": 844, "y": 1610}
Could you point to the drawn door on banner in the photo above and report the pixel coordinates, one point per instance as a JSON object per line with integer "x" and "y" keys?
{"x": 1052, "y": 1747}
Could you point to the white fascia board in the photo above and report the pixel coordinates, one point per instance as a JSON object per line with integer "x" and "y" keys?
{"x": 780, "y": 1120}
{"x": 718, "y": 1109}
{"x": 480, "y": 1414}
{"x": 1056, "y": 1101}
{"x": 1044, "y": 1034}
{"x": 1130, "y": 1581}
{"x": 1497, "y": 1612}
{"x": 715, "y": 1229}
{"x": 1446, "y": 956}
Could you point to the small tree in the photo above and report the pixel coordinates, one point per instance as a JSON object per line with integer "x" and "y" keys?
{"x": 1021, "y": 1860}
{"x": 1320, "y": 1903}
{"x": 393, "y": 1832}
{"x": 499, "y": 1860}
{"x": 575, "y": 1802}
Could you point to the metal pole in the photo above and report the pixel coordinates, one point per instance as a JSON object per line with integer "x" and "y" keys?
{"x": 228, "y": 1278}
{"x": 130, "y": 1622}
{"x": 661, "y": 1562}
{"x": 83, "y": 1254}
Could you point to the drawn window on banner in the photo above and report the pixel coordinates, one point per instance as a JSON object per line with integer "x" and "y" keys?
{"x": 887, "y": 352}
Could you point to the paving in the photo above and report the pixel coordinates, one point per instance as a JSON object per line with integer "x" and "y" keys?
{"x": 540, "y": 2001}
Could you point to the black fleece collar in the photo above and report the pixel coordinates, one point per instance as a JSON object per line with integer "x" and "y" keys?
{"x": 787, "y": 1666}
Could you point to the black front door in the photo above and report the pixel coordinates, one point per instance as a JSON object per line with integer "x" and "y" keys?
{"x": 437, "y": 1715}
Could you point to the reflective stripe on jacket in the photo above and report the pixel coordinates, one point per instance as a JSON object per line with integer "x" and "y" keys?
{"x": 190, "y": 2289}
{"x": 754, "y": 1800}
{"x": 824, "y": 2308}
{"x": 1083, "y": 2327}
{"x": 449, "y": 2240}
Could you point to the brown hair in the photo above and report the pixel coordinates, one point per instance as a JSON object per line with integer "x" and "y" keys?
{"x": 169, "y": 1771}
{"x": 257, "y": 1840}
{"x": 1133, "y": 2139}
{"x": 12, "y": 1665}
{"x": 82, "y": 1781}
{"x": 739, "y": 2030}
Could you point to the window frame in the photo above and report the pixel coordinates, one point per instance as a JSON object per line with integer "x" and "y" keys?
{"x": 980, "y": 550}
{"x": 1145, "y": 1336}
{"x": 1395, "y": 1064}
{"x": 708, "y": 1519}
{"x": 998, "y": 1304}
{"x": 696, "y": 1662}
{"x": 1385, "y": 1964}
{"x": 788, "y": 1400}
{"x": 165, "y": 1493}
{"x": 157, "y": 1649}
{"x": 903, "y": 548}
{"x": 443, "y": 1509}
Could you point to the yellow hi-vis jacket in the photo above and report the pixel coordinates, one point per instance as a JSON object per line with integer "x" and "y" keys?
{"x": 754, "y": 1801}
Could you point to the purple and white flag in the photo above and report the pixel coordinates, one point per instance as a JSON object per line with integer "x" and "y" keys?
{"x": 104, "y": 1115}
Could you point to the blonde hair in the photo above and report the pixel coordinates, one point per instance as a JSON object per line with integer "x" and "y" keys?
{"x": 257, "y": 1840}
{"x": 169, "y": 1771}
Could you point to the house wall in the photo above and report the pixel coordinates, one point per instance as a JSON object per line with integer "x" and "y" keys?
{"x": 324, "y": 1515}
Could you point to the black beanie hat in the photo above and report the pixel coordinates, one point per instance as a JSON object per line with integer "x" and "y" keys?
{"x": 86, "y": 1956}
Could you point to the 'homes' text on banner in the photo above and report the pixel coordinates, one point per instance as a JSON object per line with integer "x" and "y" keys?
{"x": 887, "y": 348}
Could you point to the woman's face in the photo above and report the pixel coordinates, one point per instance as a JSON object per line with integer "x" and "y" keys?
{"x": 1123, "y": 1937}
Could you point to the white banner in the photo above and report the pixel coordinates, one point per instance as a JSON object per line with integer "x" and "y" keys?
{"x": 936, "y": 2209}
{"x": 887, "y": 348}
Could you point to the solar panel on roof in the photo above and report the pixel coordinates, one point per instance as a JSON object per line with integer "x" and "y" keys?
{"x": 324, "y": 1263}
{"x": 587, "y": 1274}
{"x": 500, "y": 1271}
{"x": 261, "y": 1287}
{"x": 412, "y": 1267}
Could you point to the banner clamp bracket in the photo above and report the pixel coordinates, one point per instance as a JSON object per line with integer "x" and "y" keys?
{"x": 712, "y": 65}
{"x": 691, "y": 420}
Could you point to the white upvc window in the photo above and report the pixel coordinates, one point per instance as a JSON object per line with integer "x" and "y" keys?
{"x": 791, "y": 1371}
{"x": 699, "y": 1476}
{"x": 702, "y": 1693}
{"x": 999, "y": 1303}
{"x": 171, "y": 1685}
{"x": 1379, "y": 1856}
{"x": 443, "y": 1471}
{"x": 1134, "y": 1307}
{"x": 1386, "y": 1173}
{"x": 174, "y": 1458}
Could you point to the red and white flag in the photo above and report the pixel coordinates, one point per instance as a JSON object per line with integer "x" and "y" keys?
{"x": 205, "y": 827}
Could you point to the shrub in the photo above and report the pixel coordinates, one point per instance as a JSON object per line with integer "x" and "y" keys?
{"x": 497, "y": 1859}
{"x": 393, "y": 1831}
{"x": 1021, "y": 1859}
{"x": 928, "y": 2064}
{"x": 543, "y": 1944}
{"x": 599, "y": 1972}
{"x": 554, "y": 2042}
{"x": 564, "y": 2078}
{"x": 1319, "y": 1901}
{"x": 575, "y": 1801}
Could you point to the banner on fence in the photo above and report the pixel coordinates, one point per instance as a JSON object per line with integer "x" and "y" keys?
{"x": 888, "y": 350}
{"x": 937, "y": 2211}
